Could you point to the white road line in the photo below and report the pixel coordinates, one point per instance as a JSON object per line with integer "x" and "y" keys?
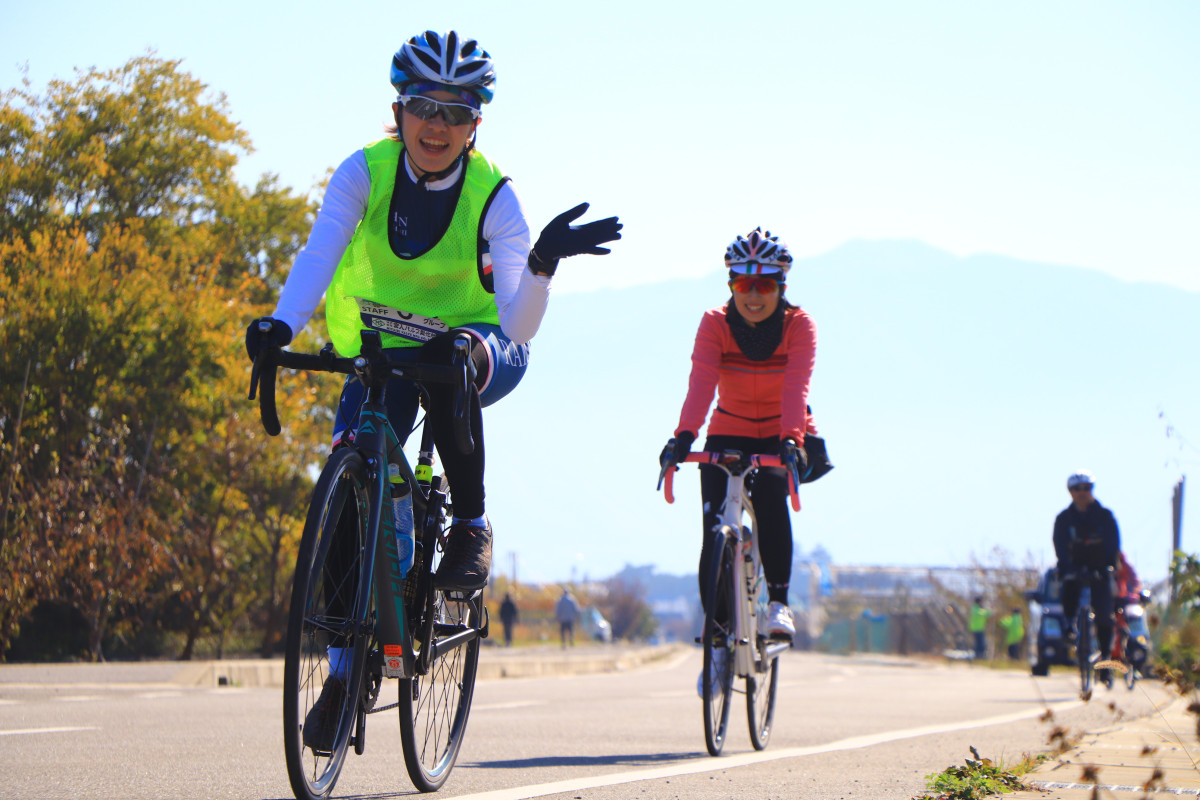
{"x": 515, "y": 704}
{"x": 22, "y": 731}
{"x": 156, "y": 695}
{"x": 77, "y": 698}
{"x": 1048, "y": 786}
{"x": 741, "y": 760}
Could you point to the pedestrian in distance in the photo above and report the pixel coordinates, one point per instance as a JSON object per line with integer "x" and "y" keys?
{"x": 567, "y": 612}
{"x": 420, "y": 237}
{"x": 977, "y": 625}
{"x": 508, "y": 617}
{"x": 1013, "y": 626}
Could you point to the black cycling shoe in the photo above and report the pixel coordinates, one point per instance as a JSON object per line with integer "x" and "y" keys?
{"x": 320, "y": 723}
{"x": 468, "y": 558}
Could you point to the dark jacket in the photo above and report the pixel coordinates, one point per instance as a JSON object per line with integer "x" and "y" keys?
{"x": 1087, "y": 538}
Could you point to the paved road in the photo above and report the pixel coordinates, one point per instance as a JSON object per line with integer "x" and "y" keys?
{"x": 846, "y": 728}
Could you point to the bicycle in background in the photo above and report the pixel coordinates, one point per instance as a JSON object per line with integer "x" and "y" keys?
{"x": 733, "y": 638}
{"x": 351, "y": 592}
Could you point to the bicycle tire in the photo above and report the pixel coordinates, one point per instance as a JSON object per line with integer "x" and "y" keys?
{"x": 717, "y": 682}
{"x": 760, "y": 695}
{"x": 1131, "y": 675}
{"x": 322, "y": 613}
{"x": 435, "y": 707}
{"x": 1083, "y": 652}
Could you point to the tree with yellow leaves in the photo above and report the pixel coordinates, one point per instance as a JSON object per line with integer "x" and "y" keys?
{"x": 134, "y": 485}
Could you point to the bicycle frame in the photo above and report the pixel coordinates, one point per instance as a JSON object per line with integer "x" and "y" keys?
{"x": 751, "y": 587}
{"x": 380, "y": 447}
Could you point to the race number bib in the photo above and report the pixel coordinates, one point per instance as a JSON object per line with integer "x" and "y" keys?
{"x": 385, "y": 319}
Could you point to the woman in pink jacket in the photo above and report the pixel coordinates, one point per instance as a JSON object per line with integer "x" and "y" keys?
{"x": 756, "y": 354}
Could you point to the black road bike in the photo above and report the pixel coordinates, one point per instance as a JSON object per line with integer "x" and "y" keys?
{"x": 349, "y": 591}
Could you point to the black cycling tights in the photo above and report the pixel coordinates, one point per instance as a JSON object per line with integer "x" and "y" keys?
{"x": 769, "y": 496}
{"x": 464, "y": 471}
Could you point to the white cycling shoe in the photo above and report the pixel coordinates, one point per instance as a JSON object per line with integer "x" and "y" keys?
{"x": 779, "y": 621}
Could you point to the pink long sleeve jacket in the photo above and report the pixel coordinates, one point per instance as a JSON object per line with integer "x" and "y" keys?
{"x": 754, "y": 398}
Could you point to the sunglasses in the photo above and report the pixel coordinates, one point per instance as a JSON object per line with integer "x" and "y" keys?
{"x": 744, "y": 283}
{"x": 1083, "y": 487}
{"x": 452, "y": 113}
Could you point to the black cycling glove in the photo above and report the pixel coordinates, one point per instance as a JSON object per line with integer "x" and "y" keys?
{"x": 677, "y": 448}
{"x": 560, "y": 239}
{"x": 277, "y": 335}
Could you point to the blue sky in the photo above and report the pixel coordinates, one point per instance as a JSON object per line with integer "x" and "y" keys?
{"x": 1058, "y": 133}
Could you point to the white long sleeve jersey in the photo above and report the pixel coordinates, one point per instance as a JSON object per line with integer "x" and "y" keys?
{"x": 521, "y": 296}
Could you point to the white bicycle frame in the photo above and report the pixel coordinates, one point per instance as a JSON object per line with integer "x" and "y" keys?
{"x": 750, "y": 584}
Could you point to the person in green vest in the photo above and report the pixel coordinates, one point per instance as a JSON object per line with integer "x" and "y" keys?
{"x": 977, "y": 625}
{"x": 1014, "y": 632}
{"x": 420, "y": 237}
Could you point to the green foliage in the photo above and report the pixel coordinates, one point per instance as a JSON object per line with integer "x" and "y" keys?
{"x": 136, "y": 484}
{"x": 1177, "y": 636}
{"x": 976, "y": 778}
{"x": 624, "y": 605}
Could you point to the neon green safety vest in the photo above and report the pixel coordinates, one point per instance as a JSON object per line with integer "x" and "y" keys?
{"x": 1014, "y": 628}
{"x": 978, "y": 619}
{"x": 446, "y": 282}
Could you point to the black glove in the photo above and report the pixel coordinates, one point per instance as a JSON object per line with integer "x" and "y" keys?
{"x": 560, "y": 239}
{"x": 277, "y": 335}
{"x": 793, "y": 457}
{"x": 677, "y": 449}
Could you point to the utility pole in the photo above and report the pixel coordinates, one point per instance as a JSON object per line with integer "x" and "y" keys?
{"x": 1176, "y": 526}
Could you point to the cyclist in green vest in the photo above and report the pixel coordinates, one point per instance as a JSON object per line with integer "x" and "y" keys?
{"x": 420, "y": 236}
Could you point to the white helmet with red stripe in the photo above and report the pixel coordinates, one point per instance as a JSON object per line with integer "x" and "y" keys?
{"x": 758, "y": 253}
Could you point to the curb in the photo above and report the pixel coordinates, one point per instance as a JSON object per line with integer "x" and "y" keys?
{"x": 494, "y": 664}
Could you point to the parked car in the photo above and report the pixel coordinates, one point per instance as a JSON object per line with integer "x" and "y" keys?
{"x": 1047, "y": 625}
{"x": 596, "y": 625}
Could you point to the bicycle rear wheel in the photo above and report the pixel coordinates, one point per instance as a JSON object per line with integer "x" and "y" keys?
{"x": 329, "y": 569}
{"x": 760, "y": 694}
{"x": 716, "y": 679}
{"x": 434, "y": 707}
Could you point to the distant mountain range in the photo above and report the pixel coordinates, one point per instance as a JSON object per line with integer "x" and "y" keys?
{"x": 956, "y": 394}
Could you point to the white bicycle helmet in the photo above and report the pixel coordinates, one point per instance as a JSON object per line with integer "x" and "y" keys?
{"x": 1081, "y": 478}
{"x": 446, "y": 59}
{"x": 758, "y": 253}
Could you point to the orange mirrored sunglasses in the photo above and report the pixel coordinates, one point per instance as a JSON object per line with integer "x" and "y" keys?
{"x": 759, "y": 283}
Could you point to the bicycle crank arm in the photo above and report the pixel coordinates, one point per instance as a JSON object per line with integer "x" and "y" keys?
{"x": 443, "y": 646}
{"x": 775, "y": 649}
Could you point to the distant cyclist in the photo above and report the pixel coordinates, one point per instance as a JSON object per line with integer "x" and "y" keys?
{"x": 420, "y": 237}
{"x": 756, "y": 354}
{"x": 1087, "y": 544}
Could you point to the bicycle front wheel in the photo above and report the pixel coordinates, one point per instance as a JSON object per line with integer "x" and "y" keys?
{"x": 323, "y": 659}
{"x": 434, "y": 707}
{"x": 1083, "y": 653}
{"x": 716, "y": 679}
{"x": 760, "y": 694}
